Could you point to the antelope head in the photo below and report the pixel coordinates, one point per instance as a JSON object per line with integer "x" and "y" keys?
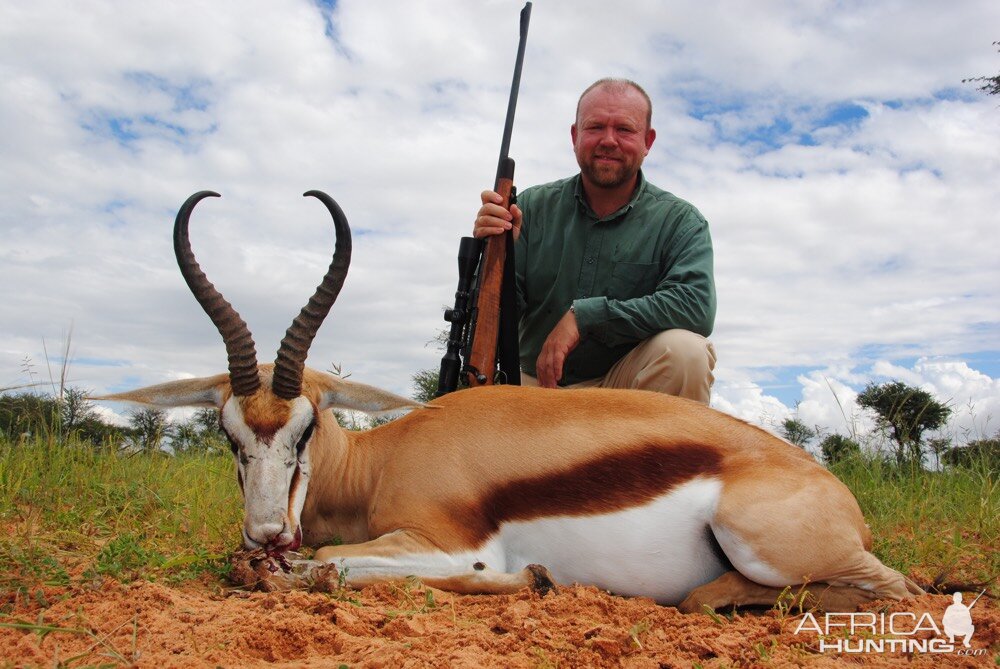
{"x": 268, "y": 413}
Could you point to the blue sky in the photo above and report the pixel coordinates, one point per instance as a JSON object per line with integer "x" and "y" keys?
{"x": 848, "y": 175}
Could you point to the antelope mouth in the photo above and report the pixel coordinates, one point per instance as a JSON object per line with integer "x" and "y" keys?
{"x": 278, "y": 550}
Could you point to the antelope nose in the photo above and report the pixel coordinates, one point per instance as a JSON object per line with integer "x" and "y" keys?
{"x": 264, "y": 534}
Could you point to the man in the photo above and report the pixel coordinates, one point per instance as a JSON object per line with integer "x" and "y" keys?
{"x": 957, "y": 620}
{"x": 614, "y": 275}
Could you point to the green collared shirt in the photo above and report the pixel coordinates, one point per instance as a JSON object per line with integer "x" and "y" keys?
{"x": 644, "y": 269}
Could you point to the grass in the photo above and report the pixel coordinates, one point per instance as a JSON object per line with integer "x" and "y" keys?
{"x": 934, "y": 525}
{"x": 71, "y": 514}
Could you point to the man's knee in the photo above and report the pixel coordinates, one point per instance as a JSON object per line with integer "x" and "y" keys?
{"x": 685, "y": 350}
{"x": 676, "y": 362}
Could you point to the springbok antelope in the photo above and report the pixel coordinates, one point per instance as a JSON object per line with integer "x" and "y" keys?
{"x": 631, "y": 491}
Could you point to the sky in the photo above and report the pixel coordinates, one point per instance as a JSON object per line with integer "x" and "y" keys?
{"x": 850, "y": 178}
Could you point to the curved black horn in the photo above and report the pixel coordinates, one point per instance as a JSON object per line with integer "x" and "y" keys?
{"x": 235, "y": 333}
{"x": 294, "y": 347}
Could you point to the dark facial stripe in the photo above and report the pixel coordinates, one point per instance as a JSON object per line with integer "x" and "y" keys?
{"x": 292, "y": 489}
{"x": 614, "y": 482}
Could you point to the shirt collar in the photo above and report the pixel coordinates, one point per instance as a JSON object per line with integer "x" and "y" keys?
{"x": 581, "y": 198}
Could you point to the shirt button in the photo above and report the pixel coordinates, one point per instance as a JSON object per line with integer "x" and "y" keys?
{"x": 590, "y": 261}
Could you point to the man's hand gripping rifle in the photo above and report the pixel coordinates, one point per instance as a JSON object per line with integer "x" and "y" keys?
{"x": 483, "y": 332}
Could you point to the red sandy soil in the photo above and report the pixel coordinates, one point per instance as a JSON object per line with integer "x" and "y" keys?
{"x": 407, "y": 625}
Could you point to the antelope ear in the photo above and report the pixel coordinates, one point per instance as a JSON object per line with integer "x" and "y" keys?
{"x": 208, "y": 391}
{"x": 340, "y": 394}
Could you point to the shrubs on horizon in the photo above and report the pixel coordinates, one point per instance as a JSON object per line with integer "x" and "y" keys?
{"x": 27, "y": 417}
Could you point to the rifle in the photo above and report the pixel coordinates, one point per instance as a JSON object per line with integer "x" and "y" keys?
{"x": 483, "y": 321}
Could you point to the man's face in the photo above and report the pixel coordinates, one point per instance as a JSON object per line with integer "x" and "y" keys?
{"x": 610, "y": 137}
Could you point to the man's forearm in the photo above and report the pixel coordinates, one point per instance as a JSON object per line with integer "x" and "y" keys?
{"x": 614, "y": 322}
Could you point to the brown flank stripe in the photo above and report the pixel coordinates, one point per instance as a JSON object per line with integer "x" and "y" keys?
{"x": 614, "y": 482}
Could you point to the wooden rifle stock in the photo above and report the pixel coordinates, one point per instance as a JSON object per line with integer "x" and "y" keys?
{"x": 483, "y": 355}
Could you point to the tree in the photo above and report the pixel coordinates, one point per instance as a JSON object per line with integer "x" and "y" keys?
{"x": 907, "y": 412}
{"x": 210, "y": 435}
{"x": 30, "y": 415}
{"x": 185, "y": 437}
{"x": 991, "y": 85}
{"x": 201, "y": 432}
{"x": 207, "y": 421}
{"x": 836, "y": 448}
{"x": 92, "y": 429}
{"x": 985, "y": 451}
{"x": 797, "y": 432}
{"x": 75, "y": 409}
{"x": 148, "y": 427}
{"x": 26, "y": 414}
{"x": 425, "y": 385}
{"x": 938, "y": 447}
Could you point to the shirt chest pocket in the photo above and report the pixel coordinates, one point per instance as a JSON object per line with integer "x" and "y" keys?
{"x": 630, "y": 279}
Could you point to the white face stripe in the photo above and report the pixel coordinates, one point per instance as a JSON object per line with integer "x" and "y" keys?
{"x": 267, "y": 470}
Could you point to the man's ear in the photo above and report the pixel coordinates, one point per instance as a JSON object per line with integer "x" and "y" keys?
{"x": 209, "y": 391}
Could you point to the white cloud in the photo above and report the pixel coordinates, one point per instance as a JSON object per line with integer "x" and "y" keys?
{"x": 829, "y": 398}
{"x": 878, "y": 234}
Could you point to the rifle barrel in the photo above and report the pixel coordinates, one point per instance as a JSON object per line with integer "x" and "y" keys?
{"x": 515, "y": 85}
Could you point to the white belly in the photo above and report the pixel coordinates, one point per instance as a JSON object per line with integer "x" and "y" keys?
{"x": 661, "y": 550}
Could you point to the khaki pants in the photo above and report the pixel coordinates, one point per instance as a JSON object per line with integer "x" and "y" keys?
{"x": 675, "y": 362}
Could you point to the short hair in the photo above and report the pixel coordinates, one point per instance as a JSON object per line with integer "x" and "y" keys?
{"x": 619, "y": 85}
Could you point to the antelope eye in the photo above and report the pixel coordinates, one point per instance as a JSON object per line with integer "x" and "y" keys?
{"x": 304, "y": 439}
{"x": 232, "y": 443}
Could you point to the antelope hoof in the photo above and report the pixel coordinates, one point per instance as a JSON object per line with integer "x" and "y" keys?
{"x": 542, "y": 582}
{"x": 693, "y": 605}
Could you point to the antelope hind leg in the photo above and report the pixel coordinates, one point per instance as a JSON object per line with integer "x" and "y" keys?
{"x": 735, "y": 589}
{"x": 868, "y": 570}
{"x": 730, "y": 589}
{"x": 780, "y": 535}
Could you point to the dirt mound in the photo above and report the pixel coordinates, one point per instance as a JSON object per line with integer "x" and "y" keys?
{"x": 407, "y": 625}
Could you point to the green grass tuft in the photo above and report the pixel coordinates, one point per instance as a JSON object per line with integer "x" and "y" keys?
{"x": 70, "y": 511}
{"x": 930, "y": 523}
